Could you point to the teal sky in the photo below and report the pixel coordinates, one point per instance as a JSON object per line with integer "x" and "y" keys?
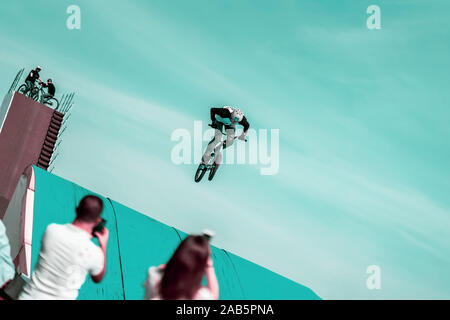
{"x": 363, "y": 115}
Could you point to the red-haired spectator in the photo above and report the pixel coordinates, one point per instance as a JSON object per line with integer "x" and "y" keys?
{"x": 181, "y": 278}
{"x": 68, "y": 255}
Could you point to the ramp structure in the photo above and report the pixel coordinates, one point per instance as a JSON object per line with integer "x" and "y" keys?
{"x": 28, "y": 134}
{"x": 136, "y": 242}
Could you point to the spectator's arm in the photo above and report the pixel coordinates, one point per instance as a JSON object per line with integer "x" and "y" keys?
{"x": 103, "y": 241}
{"x": 8, "y": 266}
{"x": 213, "y": 284}
{"x": 99, "y": 277}
{"x": 149, "y": 292}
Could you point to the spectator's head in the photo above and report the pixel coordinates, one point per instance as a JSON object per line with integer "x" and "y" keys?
{"x": 90, "y": 209}
{"x": 49, "y": 81}
{"x": 38, "y": 68}
{"x": 184, "y": 272}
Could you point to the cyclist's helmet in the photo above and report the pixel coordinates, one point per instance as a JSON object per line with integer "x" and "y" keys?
{"x": 237, "y": 115}
{"x": 49, "y": 80}
{"x": 38, "y": 68}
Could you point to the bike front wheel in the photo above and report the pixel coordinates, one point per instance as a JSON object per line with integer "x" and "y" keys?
{"x": 213, "y": 170}
{"x": 22, "y": 88}
{"x": 200, "y": 173}
{"x": 53, "y": 102}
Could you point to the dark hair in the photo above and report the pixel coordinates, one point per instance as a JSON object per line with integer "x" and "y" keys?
{"x": 184, "y": 272}
{"x": 89, "y": 209}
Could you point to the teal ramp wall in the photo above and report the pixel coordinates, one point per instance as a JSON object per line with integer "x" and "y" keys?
{"x": 143, "y": 242}
{"x": 137, "y": 242}
{"x": 259, "y": 283}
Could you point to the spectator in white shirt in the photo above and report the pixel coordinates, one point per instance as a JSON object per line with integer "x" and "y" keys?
{"x": 67, "y": 255}
{"x": 181, "y": 278}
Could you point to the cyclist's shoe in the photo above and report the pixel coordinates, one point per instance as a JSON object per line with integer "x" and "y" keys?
{"x": 202, "y": 166}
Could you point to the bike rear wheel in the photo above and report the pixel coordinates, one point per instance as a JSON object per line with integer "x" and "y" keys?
{"x": 53, "y": 102}
{"x": 213, "y": 170}
{"x": 200, "y": 173}
{"x": 22, "y": 88}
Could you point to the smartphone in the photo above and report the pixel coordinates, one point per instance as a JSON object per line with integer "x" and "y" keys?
{"x": 99, "y": 228}
{"x": 208, "y": 234}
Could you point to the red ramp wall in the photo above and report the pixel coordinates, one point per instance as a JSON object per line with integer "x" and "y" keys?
{"x": 22, "y": 135}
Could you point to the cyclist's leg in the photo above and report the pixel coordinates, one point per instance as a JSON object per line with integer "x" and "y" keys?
{"x": 224, "y": 144}
{"x": 32, "y": 87}
{"x": 49, "y": 97}
{"x": 45, "y": 97}
{"x": 29, "y": 86}
{"x": 230, "y": 130}
{"x": 212, "y": 144}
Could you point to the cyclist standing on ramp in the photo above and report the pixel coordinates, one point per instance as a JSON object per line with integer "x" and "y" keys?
{"x": 31, "y": 79}
{"x": 50, "y": 91}
{"x": 226, "y": 117}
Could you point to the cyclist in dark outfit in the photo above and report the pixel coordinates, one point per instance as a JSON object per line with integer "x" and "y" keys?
{"x": 31, "y": 79}
{"x": 50, "y": 91}
{"x": 228, "y": 117}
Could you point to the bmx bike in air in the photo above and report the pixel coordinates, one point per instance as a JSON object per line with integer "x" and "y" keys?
{"x": 213, "y": 164}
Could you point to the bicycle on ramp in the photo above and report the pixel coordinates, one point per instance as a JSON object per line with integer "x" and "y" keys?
{"x": 32, "y": 92}
{"x": 49, "y": 100}
{"x": 37, "y": 93}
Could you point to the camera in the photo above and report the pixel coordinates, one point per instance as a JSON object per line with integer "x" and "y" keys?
{"x": 208, "y": 234}
{"x": 99, "y": 228}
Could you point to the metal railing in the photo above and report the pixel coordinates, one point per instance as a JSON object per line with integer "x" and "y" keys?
{"x": 14, "y": 84}
{"x": 66, "y": 103}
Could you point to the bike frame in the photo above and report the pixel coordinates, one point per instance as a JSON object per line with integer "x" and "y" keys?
{"x": 212, "y": 164}
{"x": 41, "y": 92}
{"x": 220, "y": 145}
{"x": 30, "y": 90}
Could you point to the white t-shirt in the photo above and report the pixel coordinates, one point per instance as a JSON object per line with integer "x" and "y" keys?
{"x": 155, "y": 275}
{"x": 67, "y": 256}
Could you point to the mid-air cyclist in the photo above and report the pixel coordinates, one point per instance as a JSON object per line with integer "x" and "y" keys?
{"x": 226, "y": 117}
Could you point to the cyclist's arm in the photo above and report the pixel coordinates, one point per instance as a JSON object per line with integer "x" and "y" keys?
{"x": 245, "y": 124}
{"x": 221, "y": 112}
